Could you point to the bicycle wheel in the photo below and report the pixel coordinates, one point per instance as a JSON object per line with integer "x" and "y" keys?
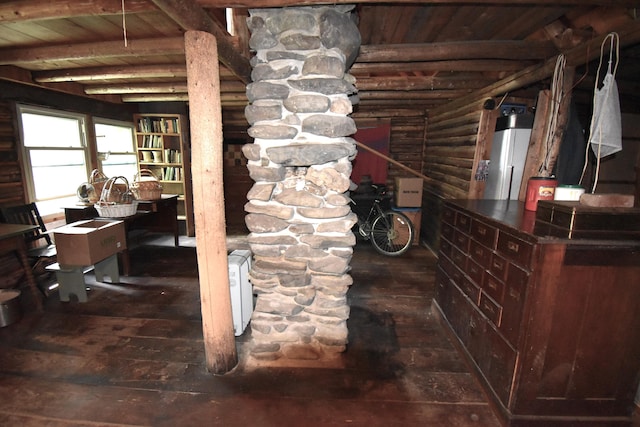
{"x": 392, "y": 233}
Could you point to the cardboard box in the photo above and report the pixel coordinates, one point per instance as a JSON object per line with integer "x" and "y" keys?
{"x": 415, "y": 216}
{"x": 90, "y": 241}
{"x": 408, "y": 192}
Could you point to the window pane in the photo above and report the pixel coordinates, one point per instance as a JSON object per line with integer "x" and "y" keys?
{"x": 50, "y": 131}
{"x": 120, "y": 165}
{"x": 113, "y": 138}
{"x": 57, "y": 173}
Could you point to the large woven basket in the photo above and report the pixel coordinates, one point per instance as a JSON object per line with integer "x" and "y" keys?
{"x": 97, "y": 181}
{"x": 145, "y": 186}
{"x": 116, "y": 200}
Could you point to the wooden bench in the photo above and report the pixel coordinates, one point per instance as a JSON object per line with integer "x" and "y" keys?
{"x": 71, "y": 277}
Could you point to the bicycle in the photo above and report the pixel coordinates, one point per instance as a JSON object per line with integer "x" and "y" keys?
{"x": 390, "y": 232}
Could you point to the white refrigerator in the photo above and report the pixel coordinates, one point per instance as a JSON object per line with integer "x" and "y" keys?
{"x": 508, "y": 156}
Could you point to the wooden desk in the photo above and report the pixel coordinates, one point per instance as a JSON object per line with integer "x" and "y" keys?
{"x": 12, "y": 240}
{"x": 152, "y": 215}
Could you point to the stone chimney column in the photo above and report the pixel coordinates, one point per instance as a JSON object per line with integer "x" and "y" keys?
{"x": 298, "y": 212}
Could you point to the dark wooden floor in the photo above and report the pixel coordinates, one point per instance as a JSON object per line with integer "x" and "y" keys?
{"x": 133, "y": 356}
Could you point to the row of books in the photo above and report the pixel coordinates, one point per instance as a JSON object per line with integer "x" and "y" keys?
{"x": 159, "y": 125}
{"x": 151, "y": 141}
{"x": 172, "y": 156}
{"x": 171, "y": 173}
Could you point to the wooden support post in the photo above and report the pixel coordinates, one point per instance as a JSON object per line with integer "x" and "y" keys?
{"x": 205, "y": 113}
{"x": 537, "y": 144}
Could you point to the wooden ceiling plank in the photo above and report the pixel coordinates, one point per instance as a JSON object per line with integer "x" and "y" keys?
{"x": 193, "y": 18}
{"x": 419, "y": 83}
{"x": 172, "y": 87}
{"x": 525, "y": 24}
{"x": 288, "y": 3}
{"x": 451, "y": 65}
{"x": 31, "y": 10}
{"x": 487, "y": 49}
{"x": 458, "y": 27}
{"x": 629, "y": 35}
{"x": 109, "y": 73}
{"x": 399, "y": 34}
{"x": 92, "y": 50}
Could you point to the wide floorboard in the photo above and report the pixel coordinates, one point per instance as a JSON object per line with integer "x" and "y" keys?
{"x": 133, "y": 355}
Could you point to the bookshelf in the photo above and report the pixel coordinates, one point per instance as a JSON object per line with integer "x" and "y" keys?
{"x": 163, "y": 148}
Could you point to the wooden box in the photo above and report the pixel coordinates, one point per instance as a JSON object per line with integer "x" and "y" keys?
{"x": 575, "y": 221}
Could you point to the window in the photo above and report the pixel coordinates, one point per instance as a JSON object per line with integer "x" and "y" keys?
{"x": 116, "y": 153}
{"x": 55, "y": 155}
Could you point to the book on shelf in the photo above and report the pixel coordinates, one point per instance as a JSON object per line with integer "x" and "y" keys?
{"x": 172, "y": 156}
{"x": 151, "y": 141}
{"x": 158, "y": 125}
{"x": 172, "y": 173}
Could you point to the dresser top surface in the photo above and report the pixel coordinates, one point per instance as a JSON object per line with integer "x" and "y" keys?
{"x": 512, "y": 214}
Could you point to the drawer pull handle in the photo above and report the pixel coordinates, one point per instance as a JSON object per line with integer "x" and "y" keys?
{"x": 513, "y": 247}
{"x": 482, "y": 231}
{"x": 514, "y": 294}
{"x": 492, "y": 285}
{"x": 479, "y": 251}
{"x": 498, "y": 265}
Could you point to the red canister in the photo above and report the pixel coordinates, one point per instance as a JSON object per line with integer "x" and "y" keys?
{"x": 539, "y": 188}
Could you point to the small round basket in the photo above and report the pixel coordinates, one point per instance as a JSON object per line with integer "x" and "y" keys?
{"x": 145, "y": 186}
{"x": 116, "y": 200}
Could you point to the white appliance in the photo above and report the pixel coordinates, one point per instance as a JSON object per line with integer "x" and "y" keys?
{"x": 508, "y": 156}
{"x": 241, "y": 290}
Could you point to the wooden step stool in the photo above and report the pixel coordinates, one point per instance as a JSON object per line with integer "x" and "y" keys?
{"x": 71, "y": 277}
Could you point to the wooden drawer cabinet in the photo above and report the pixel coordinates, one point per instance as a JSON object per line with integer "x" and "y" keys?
{"x": 498, "y": 266}
{"x": 514, "y": 249}
{"x": 461, "y": 241}
{"x": 463, "y": 222}
{"x": 475, "y": 272}
{"x": 446, "y": 231}
{"x": 483, "y": 233}
{"x": 478, "y": 252}
{"x": 448, "y": 215}
{"x": 550, "y": 325}
{"x": 493, "y": 287}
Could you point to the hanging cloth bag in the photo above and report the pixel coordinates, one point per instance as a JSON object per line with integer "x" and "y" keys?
{"x": 605, "y": 134}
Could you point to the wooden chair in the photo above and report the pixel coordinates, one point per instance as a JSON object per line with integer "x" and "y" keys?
{"x": 41, "y": 250}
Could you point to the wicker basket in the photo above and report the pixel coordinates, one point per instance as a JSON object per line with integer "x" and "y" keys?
{"x": 116, "y": 200}
{"x": 97, "y": 181}
{"x": 145, "y": 186}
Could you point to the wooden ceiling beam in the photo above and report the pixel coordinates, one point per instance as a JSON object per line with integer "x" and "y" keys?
{"x": 226, "y": 99}
{"x": 483, "y": 49}
{"x": 191, "y": 17}
{"x": 287, "y": 3}
{"x": 419, "y": 83}
{"x": 629, "y": 35}
{"x": 413, "y": 95}
{"x": 112, "y": 73}
{"x": 361, "y": 68}
{"x": 176, "y": 87}
{"x": 34, "y": 10}
{"x": 140, "y": 47}
{"x": 118, "y": 72}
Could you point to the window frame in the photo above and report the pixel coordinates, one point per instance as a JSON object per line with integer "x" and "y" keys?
{"x": 101, "y": 155}
{"x": 26, "y": 150}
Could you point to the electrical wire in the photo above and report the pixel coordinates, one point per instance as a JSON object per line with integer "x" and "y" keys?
{"x": 124, "y": 25}
{"x": 556, "y": 99}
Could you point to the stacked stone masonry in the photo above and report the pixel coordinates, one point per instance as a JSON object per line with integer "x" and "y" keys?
{"x": 298, "y": 211}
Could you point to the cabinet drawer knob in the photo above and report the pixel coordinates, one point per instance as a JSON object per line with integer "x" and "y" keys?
{"x": 513, "y": 246}
{"x": 482, "y": 231}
